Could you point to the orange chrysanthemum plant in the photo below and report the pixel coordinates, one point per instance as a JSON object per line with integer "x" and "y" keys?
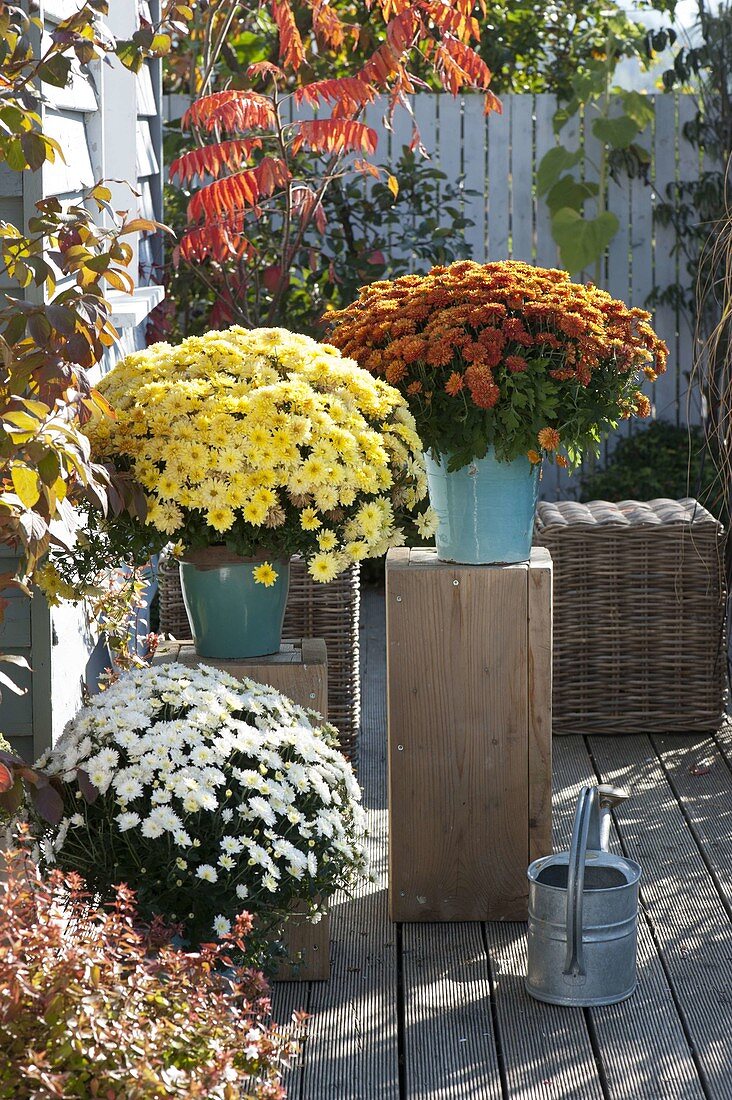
{"x": 259, "y": 161}
{"x": 504, "y": 355}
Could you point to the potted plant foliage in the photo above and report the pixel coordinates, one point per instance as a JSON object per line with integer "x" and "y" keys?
{"x": 252, "y": 446}
{"x": 503, "y": 365}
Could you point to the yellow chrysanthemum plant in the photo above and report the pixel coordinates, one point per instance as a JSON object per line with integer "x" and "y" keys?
{"x": 268, "y": 442}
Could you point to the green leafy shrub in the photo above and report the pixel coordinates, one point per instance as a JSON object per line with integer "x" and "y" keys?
{"x": 92, "y": 1004}
{"x": 662, "y": 460}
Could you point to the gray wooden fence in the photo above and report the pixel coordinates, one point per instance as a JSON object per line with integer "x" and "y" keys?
{"x": 496, "y": 157}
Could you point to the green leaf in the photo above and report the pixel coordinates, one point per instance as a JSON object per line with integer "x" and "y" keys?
{"x": 553, "y": 165}
{"x": 56, "y": 70}
{"x": 582, "y": 241}
{"x": 618, "y": 133}
{"x": 639, "y": 107}
{"x": 570, "y": 192}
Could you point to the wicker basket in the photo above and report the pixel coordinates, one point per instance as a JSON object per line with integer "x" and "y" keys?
{"x": 639, "y": 616}
{"x": 328, "y": 611}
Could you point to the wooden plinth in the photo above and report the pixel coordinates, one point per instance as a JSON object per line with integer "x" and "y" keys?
{"x": 469, "y": 705}
{"x": 299, "y": 671}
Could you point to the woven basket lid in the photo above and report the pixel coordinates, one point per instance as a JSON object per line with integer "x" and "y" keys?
{"x": 661, "y": 512}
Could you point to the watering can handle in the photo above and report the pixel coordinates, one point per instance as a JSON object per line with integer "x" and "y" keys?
{"x": 585, "y": 834}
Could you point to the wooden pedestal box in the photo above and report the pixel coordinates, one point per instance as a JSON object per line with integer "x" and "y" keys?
{"x": 469, "y": 704}
{"x": 300, "y": 671}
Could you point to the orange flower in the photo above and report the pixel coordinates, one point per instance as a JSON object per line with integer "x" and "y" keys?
{"x": 516, "y": 363}
{"x": 562, "y": 461}
{"x": 642, "y": 405}
{"x": 454, "y": 383}
{"x": 534, "y": 457}
{"x": 548, "y": 439}
{"x": 483, "y": 390}
{"x": 414, "y": 387}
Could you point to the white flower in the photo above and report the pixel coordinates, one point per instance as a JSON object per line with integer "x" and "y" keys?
{"x": 151, "y": 828}
{"x": 231, "y": 845}
{"x": 227, "y": 862}
{"x": 242, "y": 891}
{"x": 127, "y": 821}
{"x": 221, "y": 926}
{"x": 76, "y": 820}
{"x": 262, "y": 809}
{"x": 269, "y": 882}
{"x": 182, "y": 839}
{"x": 206, "y": 872}
{"x": 128, "y": 787}
{"x": 101, "y": 778}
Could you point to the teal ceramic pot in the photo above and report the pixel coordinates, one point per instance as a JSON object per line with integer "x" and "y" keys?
{"x": 231, "y": 616}
{"x": 485, "y": 510}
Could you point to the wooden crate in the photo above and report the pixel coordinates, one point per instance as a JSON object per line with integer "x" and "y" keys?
{"x": 300, "y": 671}
{"x": 469, "y": 708}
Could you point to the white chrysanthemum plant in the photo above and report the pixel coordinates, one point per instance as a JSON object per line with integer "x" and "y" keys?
{"x": 208, "y": 795}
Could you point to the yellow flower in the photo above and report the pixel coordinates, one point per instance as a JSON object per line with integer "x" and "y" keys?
{"x": 324, "y": 567}
{"x": 220, "y": 517}
{"x": 254, "y": 512}
{"x": 327, "y": 540}
{"x": 309, "y": 519}
{"x": 265, "y": 574}
{"x": 426, "y": 524}
{"x": 369, "y": 519}
{"x": 356, "y": 550}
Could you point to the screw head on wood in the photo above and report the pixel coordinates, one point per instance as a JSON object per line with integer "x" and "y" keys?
{"x": 399, "y": 599}
{"x": 456, "y": 582}
{"x": 312, "y": 694}
{"x": 400, "y": 748}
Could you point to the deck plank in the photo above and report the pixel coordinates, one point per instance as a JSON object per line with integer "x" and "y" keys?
{"x": 351, "y": 1050}
{"x": 700, "y": 776}
{"x": 450, "y": 1050}
{"x": 546, "y": 1049}
{"x": 641, "y": 1042}
{"x": 689, "y": 922}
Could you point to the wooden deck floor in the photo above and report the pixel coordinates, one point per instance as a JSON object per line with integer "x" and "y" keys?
{"x": 435, "y": 1012}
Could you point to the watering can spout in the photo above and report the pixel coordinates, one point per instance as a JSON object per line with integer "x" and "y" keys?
{"x": 609, "y": 797}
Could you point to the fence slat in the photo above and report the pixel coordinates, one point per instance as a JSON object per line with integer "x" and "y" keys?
{"x": 522, "y": 178}
{"x": 546, "y": 250}
{"x": 499, "y": 169}
{"x": 688, "y": 162}
{"x": 666, "y": 389}
{"x": 450, "y": 139}
{"x": 474, "y": 173}
{"x": 618, "y": 258}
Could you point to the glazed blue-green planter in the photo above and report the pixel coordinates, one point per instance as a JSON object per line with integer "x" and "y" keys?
{"x": 485, "y": 510}
{"x": 231, "y": 616}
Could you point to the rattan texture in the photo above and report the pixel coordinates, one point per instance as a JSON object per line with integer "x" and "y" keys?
{"x": 639, "y": 616}
{"x": 329, "y": 611}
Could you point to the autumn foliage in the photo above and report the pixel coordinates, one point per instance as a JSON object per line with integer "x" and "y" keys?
{"x": 92, "y": 1003}
{"x": 271, "y": 161}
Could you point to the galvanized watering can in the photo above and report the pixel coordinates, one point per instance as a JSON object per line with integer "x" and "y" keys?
{"x": 583, "y": 913}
